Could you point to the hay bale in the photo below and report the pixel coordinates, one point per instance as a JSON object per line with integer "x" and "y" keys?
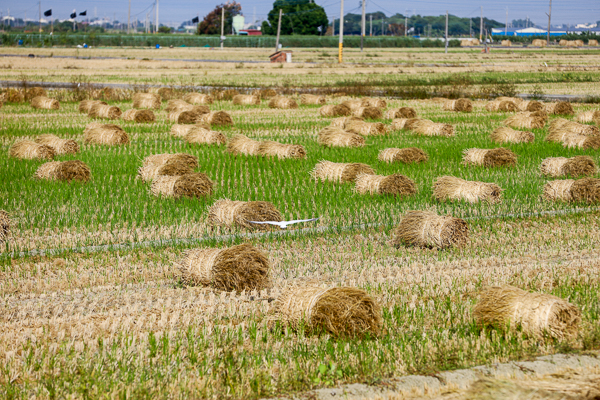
{"x": 86, "y": 105}
{"x": 402, "y": 112}
{"x": 559, "y": 108}
{"x": 505, "y": 134}
{"x": 198, "y": 98}
{"x": 399, "y": 124}
{"x": 4, "y": 225}
{"x": 460, "y": 105}
{"x": 265, "y": 93}
{"x": 246, "y": 100}
{"x": 562, "y": 166}
{"x": 426, "y": 127}
{"x": 506, "y": 43}
{"x": 35, "y": 92}
{"x": 368, "y": 113}
{"x": 66, "y": 171}
{"x": 499, "y": 157}
{"x": 537, "y": 314}
{"x": 14, "y": 96}
{"x": 146, "y": 100}
{"x": 573, "y": 140}
{"x": 238, "y": 268}
{"x": 216, "y": 118}
{"x": 188, "y": 185}
{"x": 532, "y": 105}
{"x": 340, "y": 172}
{"x": 559, "y": 190}
{"x": 373, "y": 102}
{"x": 407, "y": 155}
{"x": 312, "y": 99}
{"x": 107, "y": 134}
{"x": 45, "y": 103}
{"x": 189, "y": 115}
{"x": 343, "y": 121}
{"x": 337, "y": 110}
{"x": 228, "y": 213}
{"x": 501, "y": 106}
{"x": 332, "y": 136}
{"x": 280, "y": 150}
{"x": 178, "y": 105}
{"x": 60, "y": 146}
{"x": 28, "y": 150}
{"x": 168, "y": 158}
{"x": 396, "y": 185}
{"x": 149, "y": 172}
{"x": 228, "y": 94}
{"x": 525, "y": 120}
{"x": 201, "y": 135}
{"x": 166, "y": 93}
{"x": 180, "y": 130}
{"x": 353, "y": 105}
{"x": 139, "y": 116}
{"x": 539, "y": 43}
{"x": 589, "y": 116}
{"x": 427, "y": 229}
{"x": 453, "y": 188}
{"x": 366, "y": 128}
{"x": 561, "y": 124}
{"x": 282, "y": 103}
{"x": 586, "y": 190}
{"x": 241, "y": 144}
{"x": 340, "y": 311}
{"x": 104, "y": 111}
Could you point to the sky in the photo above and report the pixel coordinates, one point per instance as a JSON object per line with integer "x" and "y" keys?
{"x": 173, "y": 12}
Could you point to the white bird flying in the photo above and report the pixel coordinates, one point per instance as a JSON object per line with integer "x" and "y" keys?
{"x": 284, "y": 224}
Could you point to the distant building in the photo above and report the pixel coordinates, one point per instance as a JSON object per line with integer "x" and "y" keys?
{"x": 250, "y": 32}
{"x": 526, "y": 32}
{"x": 238, "y": 23}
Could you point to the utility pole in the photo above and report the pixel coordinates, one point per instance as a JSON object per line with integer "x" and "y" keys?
{"x": 470, "y": 27}
{"x": 222, "y": 25}
{"x": 333, "y": 28}
{"x": 405, "y": 25}
{"x": 146, "y": 25}
{"x": 382, "y": 32}
{"x": 278, "y": 30}
{"x": 371, "y": 25}
{"x": 481, "y": 24}
{"x": 549, "y": 18}
{"x": 341, "y": 45}
{"x": 156, "y": 16}
{"x": 40, "y": 6}
{"x": 362, "y": 25}
{"x": 129, "y": 19}
{"x": 446, "y": 51}
{"x": 506, "y": 24}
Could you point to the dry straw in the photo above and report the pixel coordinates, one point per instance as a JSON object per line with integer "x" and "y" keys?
{"x": 265, "y": 93}
{"x": 166, "y": 93}
{"x": 4, "y": 225}
{"x": 140, "y": 116}
{"x": 537, "y": 314}
{"x": 559, "y": 190}
{"x": 561, "y": 124}
{"x": 180, "y": 130}
{"x": 332, "y": 136}
{"x": 396, "y": 185}
{"x": 150, "y": 172}
{"x": 178, "y": 105}
{"x": 216, "y": 118}
{"x": 366, "y": 128}
{"x": 107, "y": 134}
{"x": 501, "y": 106}
{"x": 559, "y": 108}
{"x": 338, "y": 110}
{"x": 580, "y": 190}
{"x": 146, "y": 100}
{"x": 561, "y": 166}
{"x": 14, "y": 96}
{"x": 353, "y": 105}
{"x": 246, "y": 100}
{"x": 64, "y": 171}
{"x": 398, "y": 124}
{"x": 86, "y": 105}
{"x": 368, "y": 113}
{"x": 505, "y": 134}
{"x": 228, "y": 94}
{"x": 188, "y": 185}
{"x": 28, "y": 150}
{"x": 45, "y": 103}
{"x": 60, "y": 146}
{"x": 198, "y": 98}
{"x": 539, "y": 43}
{"x": 527, "y": 120}
{"x": 506, "y": 43}
{"x": 573, "y": 140}
{"x": 190, "y": 115}
{"x": 427, "y": 229}
{"x": 104, "y": 111}
{"x": 35, "y": 92}
{"x": 531, "y": 105}
{"x": 312, "y": 99}
{"x": 340, "y": 172}
{"x": 499, "y": 157}
{"x": 516, "y": 100}
{"x": 373, "y": 102}
{"x": 168, "y": 158}
{"x": 283, "y": 103}
{"x": 281, "y": 151}
{"x": 201, "y": 135}
{"x": 343, "y": 121}
{"x": 228, "y": 213}
{"x": 589, "y": 116}
{"x": 339, "y": 311}
{"x": 460, "y": 105}
{"x": 402, "y": 112}
{"x": 592, "y": 42}
{"x": 453, "y": 188}
{"x": 426, "y": 127}
{"x": 407, "y": 155}
{"x": 238, "y": 268}
{"x": 241, "y": 144}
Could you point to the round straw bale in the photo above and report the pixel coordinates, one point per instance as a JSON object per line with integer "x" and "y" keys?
{"x": 283, "y": 103}
{"x": 218, "y": 118}
{"x": 108, "y": 134}
{"x": 332, "y": 136}
{"x": 461, "y": 105}
{"x": 188, "y": 185}
{"x": 572, "y": 126}
{"x": 35, "y": 92}
{"x": 560, "y": 108}
{"x": 180, "y": 130}
{"x": 60, "y": 146}
{"x": 453, "y": 188}
{"x": 265, "y": 93}
{"x": 28, "y": 150}
{"x": 525, "y": 120}
{"x": 167, "y": 158}
{"x": 343, "y": 121}
{"x": 398, "y": 124}
{"x": 499, "y": 157}
{"x": 340, "y": 311}
{"x": 402, "y": 112}
{"x": 14, "y": 96}
{"x": 150, "y": 172}
{"x": 189, "y": 115}
{"x": 229, "y": 213}
{"x": 140, "y": 116}
{"x": 501, "y": 106}
{"x": 86, "y": 105}
{"x": 586, "y": 190}
{"x": 373, "y": 102}
{"x": 340, "y": 172}
{"x": 64, "y": 171}
{"x": 562, "y": 166}
{"x": 99, "y": 110}
{"x": 4, "y": 225}
{"x": 200, "y": 135}
{"x": 246, "y": 100}
{"x": 559, "y": 190}
{"x": 505, "y": 134}
{"x": 146, "y": 100}
{"x": 312, "y": 99}
{"x": 368, "y": 113}
{"x": 366, "y": 128}
{"x": 353, "y": 105}
{"x": 427, "y": 229}
{"x": 426, "y": 127}
{"x": 227, "y": 94}
{"x": 396, "y": 185}
{"x": 45, "y": 103}
{"x": 537, "y": 314}
{"x": 177, "y": 105}
{"x": 573, "y": 140}
{"x": 166, "y": 93}
{"x": 407, "y": 155}
{"x": 198, "y": 98}
{"x": 589, "y": 116}
{"x": 337, "y": 110}
{"x": 531, "y": 105}
{"x": 281, "y": 151}
{"x": 241, "y": 144}
{"x": 238, "y": 268}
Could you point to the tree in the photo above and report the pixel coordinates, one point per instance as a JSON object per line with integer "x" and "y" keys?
{"x": 211, "y": 25}
{"x": 300, "y": 17}
{"x": 164, "y": 29}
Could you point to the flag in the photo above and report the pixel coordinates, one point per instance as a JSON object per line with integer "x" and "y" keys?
{"x": 83, "y": 13}
{"x": 195, "y": 20}
{"x": 48, "y": 13}
{"x": 73, "y": 15}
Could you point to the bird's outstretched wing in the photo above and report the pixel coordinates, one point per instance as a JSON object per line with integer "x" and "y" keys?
{"x": 300, "y": 220}
{"x": 266, "y": 222}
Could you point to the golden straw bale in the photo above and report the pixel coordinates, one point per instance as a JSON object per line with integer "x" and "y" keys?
{"x": 525, "y": 120}
{"x": 35, "y": 92}
{"x": 366, "y": 128}
{"x": 353, "y": 105}
{"x": 227, "y": 212}
{"x": 530, "y": 106}
{"x": 340, "y": 172}
{"x": 589, "y": 116}
{"x": 64, "y": 171}
{"x": 60, "y": 146}
{"x": 86, "y": 105}
{"x": 218, "y": 118}
{"x": 180, "y": 130}
{"x": 265, "y": 93}
{"x": 499, "y": 157}
{"x": 505, "y": 134}
{"x": 396, "y": 185}
{"x": 342, "y": 121}
{"x": 45, "y": 103}
{"x": 4, "y": 225}
{"x": 399, "y": 124}
{"x": 402, "y": 112}
{"x": 586, "y": 190}
{"x": 178, "y": 105}
{"x": 561, "y": 124}
{"x": 506, "y": 43}
{"x": 501, "y": 106}
{"x": 339, "y": 311}
{"x": 573, "y": 140}
{"x": 14, "y": 96}
{"x": 188, "y": 185}
{"x": 166, "y": 93}
{"x": 407, "y": 155}
{"x": 140, "y": 116}
{"x": 539, "y": 43}
{"x": 168, "y": 158}
{"x": 28, "y": 150}
{"x": 281, "y": 151}
{"x": 108, "y": 134}
{"x": 238, "y": 268}
{"x": 246, "y": 100}
{"x": 426, "y": 127}
{"x": 592, "y": 42}
{"x": 283, "y": 103}
{"x": 559, "y": 108}
{"x": 189, "y": 115}
{"x": 453, "y": 188}
{"x": 224, "y": 94}
{"x": 99, "y": 110}
{"x": 311, "y": 99}
{"x": 461, "y": 105}
{"x": 427, "y": 229}
{"x": 561, "y": 166}
{"x": 146, "y": 100}
{"x": 241, "y": 144}
{"x": 368, "y": 113}
{"x": 150, "y": 172}
{"x": 559, "y": 190}
{"x": 537, "y": 314}
{"x": 198, "y": 98}
{"x": 337, "y": 110}
{"x": 373, "y": 102}
{"x": 201, "y": 135}
{"x": 333, "y": 136}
